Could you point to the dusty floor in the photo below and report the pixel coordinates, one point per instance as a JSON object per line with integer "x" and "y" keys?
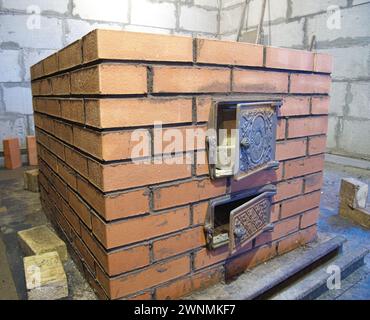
{"x": 24, "y": 211}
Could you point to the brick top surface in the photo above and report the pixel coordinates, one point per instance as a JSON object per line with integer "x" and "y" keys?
{"x": 134, "y": 46}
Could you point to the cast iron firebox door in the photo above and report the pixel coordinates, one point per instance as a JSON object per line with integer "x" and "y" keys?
{"x": 255, "y": 148}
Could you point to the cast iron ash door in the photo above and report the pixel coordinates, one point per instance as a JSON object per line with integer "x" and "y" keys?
{"x": 249, "y": 144}
{"x": 237, "y": 219}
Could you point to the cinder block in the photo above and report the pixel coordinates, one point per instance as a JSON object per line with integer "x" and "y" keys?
{"x": 287, "y": 34}
{"x": 351, "y": 24}
{"x": 45, "y": 277}
{"x": 60, "y": 6}
{"x": 158, "y": 14}
{"x": 108, "y": 10}
{"x": 31, "y": 180}
{"x": 198, "y": 19}
{"x": 9, "y": 67}
{"x": 353, "y": 193}
{"x": 26, "y": 30}
{"x": 31, "y": 150}
{"x": 302, "y": 8}
{"x": 18, "y": 99}
{"x": 39, "y": 240}
{"x": 12, "y": 153}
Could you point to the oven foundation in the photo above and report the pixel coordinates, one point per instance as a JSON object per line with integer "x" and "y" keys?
{"x": 140, "y": 227}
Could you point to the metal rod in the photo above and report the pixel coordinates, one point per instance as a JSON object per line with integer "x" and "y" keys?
{"x": 242, "y": 19}
{"x": 259, "y": 29}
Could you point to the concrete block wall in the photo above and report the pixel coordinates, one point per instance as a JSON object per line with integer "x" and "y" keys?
{"x": 31, "y": 30}
{"x": 342, "y": 29}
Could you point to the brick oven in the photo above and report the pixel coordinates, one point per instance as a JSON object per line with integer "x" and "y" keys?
{"x": 155, "y": 202}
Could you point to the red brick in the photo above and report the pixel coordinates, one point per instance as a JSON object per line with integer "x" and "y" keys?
{"x": 281, "y": 129}
{"x": 309, "y": 83}
{"x": 301, "y": 127}
{"x": 176, "y": 244}
{"x": 48, "y": 106}
{"x": 61, "y": 84}
{"x": 184, "y": 286}
{"x": 288, "y": 189}
{"x": 35, "y": 87}
{"x": 128, "y": 175}
{"x": 67, "y": 174}
{"x": 204, "y": 105}
{"x": 300, "y": 204}
{"x": 31, "y": 150}
{"x": 50, "y": 64}
{"x": 290, "y": 59}
{"x": 187, "y": 192}
{"x": 228, "y": 52}
{"x": 285, "y": 227}
{"x": 140, "y": 228}
{"x": 300, "y": 167}
{"x": 73, "y": 110}
{"x": 142, "y": 296}
{"x": 110, "y": 79}
{"x": 235, "y": 267}
{"x": 259, "y": 81}
{"x": 289, "y": 149}
{"x": 111, "y": 113}
{"x": 115, "y": 206}
{"x": 70, "y": 56}
{"x": 121, "y": 45}
{"x": 200, "y": 212}
{"x": 117, "y": 261}
{"x": 310, "y": 218}
{"x": 297, "y": 239}
{"x": 180, "y": 139}
{"x": 295, "y": 106}
{"x": 111, "y": 145}
{"x": 320, "y": 105}
{"x": 313, "y": 182}
{"x": 45, "y": 88}
{"x": 190, "y": 79}
{"x": 202, "y": 167}
{"x": 84, "y": 253}
{"x": 56, "y": 147}
{"x": 316, "y": 145}
{"x": 72, "y": 217}
{"x": 253, "y": 181}
{"x": 205, "y": 257}
{"x": 63, "y": 131}
{"x": 37, "y": 70}
{"x": 145, "y": 278}
{"x": 76, "y": 161}
{"x": 80, "y": 207}
{"x": 12, "y": 153}
{"x": 323, "y": 63}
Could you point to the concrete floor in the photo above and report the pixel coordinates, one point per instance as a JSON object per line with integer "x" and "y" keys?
{"x": 24, "y": 211}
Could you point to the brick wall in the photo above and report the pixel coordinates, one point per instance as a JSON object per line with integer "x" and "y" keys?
{"x": 136, "y": 227}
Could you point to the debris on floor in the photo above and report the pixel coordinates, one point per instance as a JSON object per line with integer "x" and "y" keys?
{"x": 353, "y": 195}
{"x": 45, "y": 277}
{"x": 30, "y": 178}
{"x": 39, "y": 240}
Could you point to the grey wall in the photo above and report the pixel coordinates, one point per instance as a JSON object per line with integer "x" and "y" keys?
{"x": 33, "y": 29}
{"x": 292, "y": 23}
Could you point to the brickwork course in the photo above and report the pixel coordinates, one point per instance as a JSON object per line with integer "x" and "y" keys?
{"x": 30, "y": 30}
{"x": 137, "y": 229}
